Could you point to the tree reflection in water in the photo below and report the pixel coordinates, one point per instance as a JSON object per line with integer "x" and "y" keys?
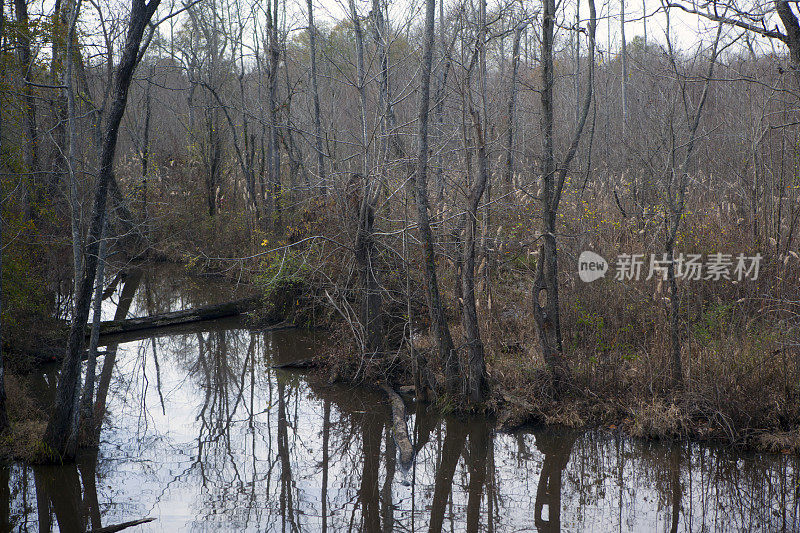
{"x": 202, "y": 434}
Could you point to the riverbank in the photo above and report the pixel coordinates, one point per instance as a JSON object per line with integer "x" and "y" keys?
{"x": 621, "y": 396}
{"x": 522, "y": 394}
{"x": 202, "y": 428}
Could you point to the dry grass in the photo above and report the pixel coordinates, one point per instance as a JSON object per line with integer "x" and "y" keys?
{"x": 780, "y": 442}
{"x": 27, "y": 421}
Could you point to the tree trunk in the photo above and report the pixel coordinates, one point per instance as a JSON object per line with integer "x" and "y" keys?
{"x": 624, "y": 50}
{"x": 3, "y": 412}
{"x": 312, "y": 38}
{"x": 677, "y": 203}
{"x": 476, "y": 365}
{"x": 146, "y": 142}
{"x": 436, "y": 308}
{"x": 29, "y": 114}
{"x": 72, "y": 141}
{"x": 365, "y": 252}
{"x": 91, "y": 363}
{"x": 545, "y": 286}
{"x": 274, "y": 142}
{"x": 512, "y": 105}
{"x": 61, "y": 434}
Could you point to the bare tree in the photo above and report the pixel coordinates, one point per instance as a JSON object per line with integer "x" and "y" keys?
{"x": 436, "y": 306}
{"x": 624, "y": 53}
{"x": 756, "y": 19}
{"x": 677, "y": 182}
{"x": 545, "y": 286}
{"x": 476, "y": 367}
{"x": 512, "y": 102}
{"x": 365, "y": 251}
{"x": 312, "y": 43}
{"x": 72, "y": 143}
{"x": 61, "y": 433}
{"x": 274, "y": 151}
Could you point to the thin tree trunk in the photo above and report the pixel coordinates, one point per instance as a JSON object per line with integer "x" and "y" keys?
{"x": 545, "y": 285}
{"x": 677, "y": 205}
{"x": 29, "y": 113}
{"x": 577, "y": 81}
{"x": 94, "y": 337}
{"x": 644, "y": 23}
{"x": 274, "y": 146}
{"x": 512, "y": 104}
{"x": 72, "y": 141}
{"x": 3, "y": 412}
{"x": 146, "y": 141}
{"x": 436, "y": 308}
{"x": 61, "y": 433}
{"x": 312, "y": 38}
{"x": 58, "y": 103}
{"x": 624, "y": 66}
{"x": 441, "y": 86}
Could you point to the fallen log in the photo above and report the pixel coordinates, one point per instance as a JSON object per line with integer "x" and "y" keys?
{"x": 299, "y": 364}
{"x": 400, "y": 429}
{"x": 199, "y": 314}
{"x": 120, "y": 527}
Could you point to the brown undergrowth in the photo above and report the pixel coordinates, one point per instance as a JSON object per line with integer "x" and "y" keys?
{"x": 27, "y": 421}
{"x": 741, "y": 364}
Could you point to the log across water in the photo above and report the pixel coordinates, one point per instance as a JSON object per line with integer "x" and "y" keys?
{"x": 400, "y": 430}
{"x": 208, "y": 312}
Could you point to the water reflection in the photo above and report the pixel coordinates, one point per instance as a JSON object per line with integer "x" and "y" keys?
{"x": 203, "y": 435}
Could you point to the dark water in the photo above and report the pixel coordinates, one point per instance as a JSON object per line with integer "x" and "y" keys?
{"x": 203, "y": 435}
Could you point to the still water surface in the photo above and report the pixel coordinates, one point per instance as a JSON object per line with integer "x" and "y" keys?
{"x": 203, "y": 435}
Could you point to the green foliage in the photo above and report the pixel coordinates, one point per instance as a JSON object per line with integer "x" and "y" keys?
{"x": 283, "y": 278}
{"x": 712, "y": 322}
{"x": 282, "y": 270}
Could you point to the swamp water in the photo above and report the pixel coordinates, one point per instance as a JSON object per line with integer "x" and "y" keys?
{"x": 203, "y": 435}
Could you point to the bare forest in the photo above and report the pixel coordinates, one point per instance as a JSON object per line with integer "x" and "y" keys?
{"x": 423, "y": 182}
